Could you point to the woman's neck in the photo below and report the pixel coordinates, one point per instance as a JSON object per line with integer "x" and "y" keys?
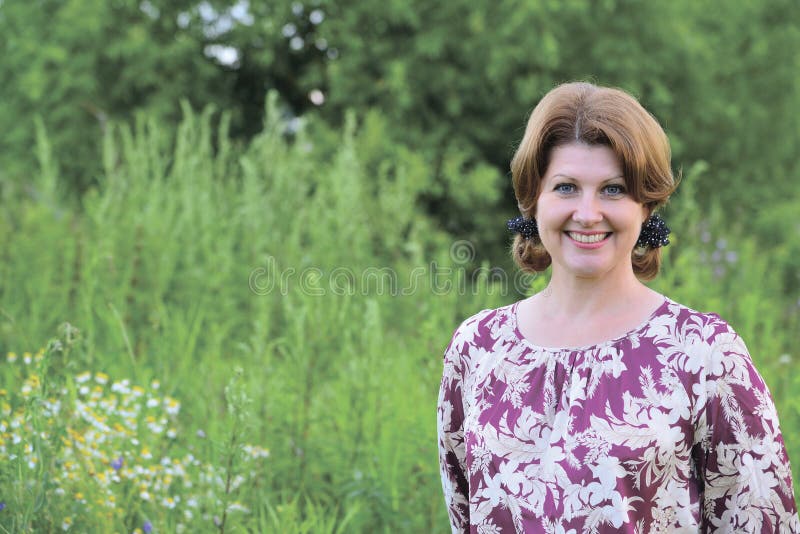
{"x": 568, "y": 296}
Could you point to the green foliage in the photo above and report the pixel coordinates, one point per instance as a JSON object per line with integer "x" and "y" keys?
{"x": 187, "y": 258}
{"x": 453, "y": 80}
{"x": 308, "y": 263}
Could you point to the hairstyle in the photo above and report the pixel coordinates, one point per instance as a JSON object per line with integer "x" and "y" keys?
{"x": 585, "y": 113}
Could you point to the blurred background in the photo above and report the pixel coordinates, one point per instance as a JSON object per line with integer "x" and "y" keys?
{"x": 237, "y": 236}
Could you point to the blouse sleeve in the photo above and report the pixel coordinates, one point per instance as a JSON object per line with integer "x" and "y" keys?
{"x": 452, "y": 454}
{"x": 743, "y": 462}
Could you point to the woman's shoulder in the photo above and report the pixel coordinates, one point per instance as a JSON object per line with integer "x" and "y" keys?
{"x": 480, "y": 331}
{"x": 478, "y": 324}
{"x": 701, "y": 334}
{"x": 686, "y": 319}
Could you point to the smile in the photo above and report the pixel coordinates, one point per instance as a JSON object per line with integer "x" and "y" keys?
{"x": 588, "y": 238}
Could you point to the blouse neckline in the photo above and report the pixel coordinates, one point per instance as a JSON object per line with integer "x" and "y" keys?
{"x": 512, "y": 317}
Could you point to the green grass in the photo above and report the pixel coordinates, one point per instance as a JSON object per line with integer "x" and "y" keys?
{"x": 193, "y": 258}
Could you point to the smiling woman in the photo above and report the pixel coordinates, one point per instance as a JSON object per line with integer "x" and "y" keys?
{"x": 599, "y": 404}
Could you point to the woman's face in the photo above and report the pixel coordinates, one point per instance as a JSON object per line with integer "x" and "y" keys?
{"x": 587, "y": 220}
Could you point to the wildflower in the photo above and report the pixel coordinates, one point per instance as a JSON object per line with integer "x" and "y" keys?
{"x": 120, "y": 387}
{"x": 101, "y": 378}
{"x": 152, "y": 403}
{"x": 785, "y": 359}
{"x": 83, "y": 377}
{"x": 27, "y": 358}
{"x": 255, "y": 451}
{"x": 144, "y": 495}
{"x": 66, "y": 524}
{"x": 117, "y": 464}
{"x": 155, "y": 384}
{"x": 173, "y": 406}
{"x": 11, "y": 357}
{"x": 2, "y": 503}
{"x": 146, "y": 454}
{"x": 147, "y": 527}
{"x": 236, "y": 506}
{"x": 155, "y": 429}
{"x": 169, "y": 502}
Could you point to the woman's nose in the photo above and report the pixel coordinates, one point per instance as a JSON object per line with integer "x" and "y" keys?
{"x": 587, "y": 212}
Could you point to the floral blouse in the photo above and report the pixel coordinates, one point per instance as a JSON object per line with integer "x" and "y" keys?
{"x": 668, "y": 428}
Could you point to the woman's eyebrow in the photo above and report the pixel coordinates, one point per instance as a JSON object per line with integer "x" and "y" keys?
{"x": 562, "y": 175}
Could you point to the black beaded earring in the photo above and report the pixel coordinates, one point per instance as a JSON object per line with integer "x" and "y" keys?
{"x": 525, "y": 227}
{"x": 654, "y": 234}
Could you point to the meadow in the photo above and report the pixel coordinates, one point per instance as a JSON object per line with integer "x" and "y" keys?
{"x": 248, "y": 337}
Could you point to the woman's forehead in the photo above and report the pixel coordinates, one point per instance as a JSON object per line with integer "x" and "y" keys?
{"x": 580, "y": 161}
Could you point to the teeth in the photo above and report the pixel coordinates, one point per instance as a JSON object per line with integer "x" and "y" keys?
{"x": 583, "y": 238}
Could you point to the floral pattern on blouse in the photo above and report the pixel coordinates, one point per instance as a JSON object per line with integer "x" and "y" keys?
{"x": 669, "y": 428}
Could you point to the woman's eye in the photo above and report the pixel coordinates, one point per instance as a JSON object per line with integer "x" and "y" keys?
{"x": 615, "y": 190}
{"x": 564, "y": 188}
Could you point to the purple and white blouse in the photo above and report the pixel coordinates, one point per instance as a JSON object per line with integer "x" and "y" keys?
{"x": 669, "y": 428}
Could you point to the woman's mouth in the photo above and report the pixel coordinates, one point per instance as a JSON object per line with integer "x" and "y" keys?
{"x": 588, "y": 238}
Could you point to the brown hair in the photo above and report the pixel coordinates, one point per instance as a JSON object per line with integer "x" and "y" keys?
{"x": 585, "y": 113}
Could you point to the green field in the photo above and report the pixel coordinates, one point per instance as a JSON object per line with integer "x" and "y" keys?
{"x": 248, "y": 337}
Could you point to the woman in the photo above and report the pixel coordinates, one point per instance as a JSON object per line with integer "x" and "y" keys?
{"x": 599, "y": 405}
